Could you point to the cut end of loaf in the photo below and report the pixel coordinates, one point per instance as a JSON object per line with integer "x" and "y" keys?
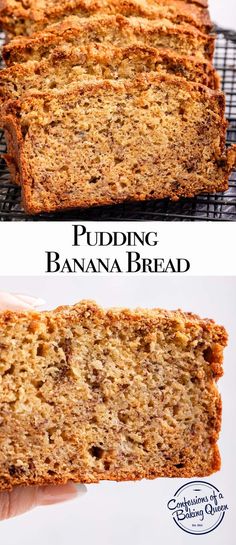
{"x": 89, "y": 394}
{"x": 112, "y": 151}
{"x": 148, "y": 119}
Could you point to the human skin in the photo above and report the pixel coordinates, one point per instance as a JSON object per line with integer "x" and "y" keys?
{"x": 22, "y": 499}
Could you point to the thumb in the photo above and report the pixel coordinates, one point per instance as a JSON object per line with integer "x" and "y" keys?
{"x": 16, "y": 301}
{"x": 22, "y": 499}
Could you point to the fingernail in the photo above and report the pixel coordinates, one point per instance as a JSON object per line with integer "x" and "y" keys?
{"x": 15, "y": 301}
{"x": 81, "y": 489}
{"x": 32, "y": 301}
{"x": 59, "y": 493}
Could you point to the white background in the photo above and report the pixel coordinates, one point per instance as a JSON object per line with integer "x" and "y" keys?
{"x": 209, "y": 246}
{"x": 136, "y": 513}
{"x": 223, "y": 12}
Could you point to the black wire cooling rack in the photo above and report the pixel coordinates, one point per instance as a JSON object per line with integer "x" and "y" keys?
{"x": 218, "y": 207}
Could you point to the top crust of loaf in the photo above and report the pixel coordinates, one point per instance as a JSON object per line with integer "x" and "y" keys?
{"x": 72, "y": 27}
{"x": 39, "y": 17}
{"x": 41, "y": 4}
{"x": 101, "y": 60}
{"x": 187, "y": 322}
{"x": 39, "y": 9}
{"x": 215, "y": 99}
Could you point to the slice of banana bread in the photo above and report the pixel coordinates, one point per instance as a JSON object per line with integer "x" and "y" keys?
{"x": 106, "y": 142}
{"x": 89, "y": 394}
{"x": 68, "y": 65}
{"x": 19, "y": 20}
{"x": 118, "y": 30}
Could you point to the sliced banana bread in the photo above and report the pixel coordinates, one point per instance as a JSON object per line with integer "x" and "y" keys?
{"x": 88, "y": 394}
{"x": 24, "y": 19}
{"x": 107, "y": 142}
{"x": 68, "y": 65}
{"x": 117, "y": 30}
{"x": 64, "y": 68}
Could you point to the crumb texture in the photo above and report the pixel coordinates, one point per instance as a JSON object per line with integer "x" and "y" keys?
{"x": 107, "y": 101}
{"x": 114, "y": 29}
{"x": 68, "y": 65}
{"x": 109, "y": 141}
{"x": 20, "y": 19}
{"x": 88, "y": 394}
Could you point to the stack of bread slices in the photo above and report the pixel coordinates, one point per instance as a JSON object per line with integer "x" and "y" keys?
{"x": 104, "y": 101}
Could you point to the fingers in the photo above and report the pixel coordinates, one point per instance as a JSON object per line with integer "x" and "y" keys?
{"x": 16, "y": 502}
{"x": 29, "y": 300}
{"x": 56, "y": 494}
{"x": 20, "y": 499}
{"x": 15, "y": 301}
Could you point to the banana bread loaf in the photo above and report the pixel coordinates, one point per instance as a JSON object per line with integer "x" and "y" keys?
{"x": 117, "y": 30}
{"x": 19, "y": 20}
{"x": 68, "y": 65}
{"x": 105, "y": 142}
{"x": 89, "y": 394}
{"x": 63, "y": 69}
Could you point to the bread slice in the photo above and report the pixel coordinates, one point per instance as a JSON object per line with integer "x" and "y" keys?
{"x": 89, "y": 394}
{"x": 67, "y": 65}
{"x": 19, "y": 20}
{"x": 106, "y": 142}
{"x": 117, "y": 30}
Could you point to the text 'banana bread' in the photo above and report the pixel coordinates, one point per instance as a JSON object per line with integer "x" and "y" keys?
{"x": 89, "y": 394}
{"x": 109, "y": 141}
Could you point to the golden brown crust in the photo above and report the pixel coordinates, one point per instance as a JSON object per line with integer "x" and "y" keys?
{"x": 14, "y": 4}
{"x": 67, "y": 65}
{"x": 152, "y": 315}
{"x": 18, "y": 20}
{"x": 185, "y": 327}
{"x": 186, "y": 39}
{"x": 121, "y": 476}
{"x": 110, "y": 59}
{"x": 11, "y": 156}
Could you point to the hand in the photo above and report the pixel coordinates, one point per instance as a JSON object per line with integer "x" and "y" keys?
{"x": 22, "y": 499}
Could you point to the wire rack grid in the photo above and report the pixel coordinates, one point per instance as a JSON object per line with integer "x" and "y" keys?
{"x": 218, "y": 207}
